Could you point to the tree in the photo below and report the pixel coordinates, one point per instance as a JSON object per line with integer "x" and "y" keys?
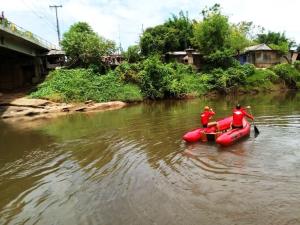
{"x": 276, "y": 40}
{"x": 132, "y": 54}
{"x": 84, "y": 47}
{"x": 240, "y": 36}
{"x": 184, "y": 29}
{"x": 213, "y": 32}
{"x": 174, "y": 34}
{"x": 298, "y": 48}
{"x": 212, "y": 37}
{"x": 158, "y": 40}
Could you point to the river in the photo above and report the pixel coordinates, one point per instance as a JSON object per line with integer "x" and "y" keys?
{"x": 130, "y": 166}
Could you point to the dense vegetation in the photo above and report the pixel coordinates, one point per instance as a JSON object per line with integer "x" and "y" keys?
{"x": 144, "y": 75}
{"x": 175, "y": 34}
{"x": 84, "y": 84}
{"x": 84, "y": 47}
{"x": 153, "y": 79}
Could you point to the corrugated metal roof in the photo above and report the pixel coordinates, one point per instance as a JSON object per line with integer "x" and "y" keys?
{"x": 260, "y": 47}
{"x": 177, "y": 53}
{"x": 182, "y": 53}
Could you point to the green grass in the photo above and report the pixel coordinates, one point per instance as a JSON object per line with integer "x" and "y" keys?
{"x": 78, "y": 85}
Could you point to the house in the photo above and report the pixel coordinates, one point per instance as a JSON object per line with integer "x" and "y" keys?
{"x": 261, "y": 56}
{"x": 112, "y": 60}
{"x": 189, "y": 57}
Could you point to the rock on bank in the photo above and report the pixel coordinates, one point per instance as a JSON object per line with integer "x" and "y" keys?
{"x": 23, "y": 108}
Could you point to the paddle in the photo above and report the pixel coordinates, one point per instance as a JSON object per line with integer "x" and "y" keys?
{"x": 256, "y": 131}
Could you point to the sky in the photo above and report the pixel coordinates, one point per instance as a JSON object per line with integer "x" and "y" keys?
{"x": 124, "y": 20}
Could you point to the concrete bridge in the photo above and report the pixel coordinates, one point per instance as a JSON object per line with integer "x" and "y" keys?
{"x": 25, "y": 58}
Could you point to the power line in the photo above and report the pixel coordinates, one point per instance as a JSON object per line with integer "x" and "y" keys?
{"x": 45, "y": 12}
{"x": 39, "y": 16}
{"x": 57, "y": 24}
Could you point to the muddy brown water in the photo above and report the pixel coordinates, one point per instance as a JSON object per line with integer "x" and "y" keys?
{"x": 130, "y": 166}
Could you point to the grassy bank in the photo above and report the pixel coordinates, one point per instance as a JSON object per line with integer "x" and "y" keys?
{"x": 79, "y": 85}
{"x": 153, "y": 79}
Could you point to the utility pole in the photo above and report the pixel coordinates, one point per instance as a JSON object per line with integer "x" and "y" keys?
{"x": 57, "y": 24}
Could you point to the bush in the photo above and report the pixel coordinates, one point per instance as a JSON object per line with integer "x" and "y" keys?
{"x": 155, "y": 77}
{"x": 248, "y": 68}
{"x": 194, "y": 84}
{"x": 173, "y": 80}
{"x": 183, "y": 81}
{"x": 129, "y": 82}
{"x": 228, "y": 80}
{"x": 82, "y": 84}
{"x": 297, "y": 65}
{"x": 236, "y": 76}
{"x": 128, "y": 72}
{"x": 262, "y": 78}
{"x": 215, "y": 80}
{"x": 132, "y": 55}
{"x": 289, "y": 74}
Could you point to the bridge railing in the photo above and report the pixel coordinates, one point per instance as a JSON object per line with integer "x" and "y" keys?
{"x": 21, "y": 32}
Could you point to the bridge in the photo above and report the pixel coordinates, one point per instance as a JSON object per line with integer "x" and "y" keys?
{"x": 25, "y": 58}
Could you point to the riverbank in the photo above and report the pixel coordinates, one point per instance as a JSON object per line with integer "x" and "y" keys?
{"x": 20, "y": 107}
{"x": 155, "y": 80}
{"x": 17, "y": 107}
{"x": 93, "y": 92}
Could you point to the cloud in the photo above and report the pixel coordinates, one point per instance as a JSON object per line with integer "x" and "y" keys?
{"x": 123, "y": 19}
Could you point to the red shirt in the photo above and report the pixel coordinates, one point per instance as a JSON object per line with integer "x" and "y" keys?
{"x": 238, "y": 115}
{"x": 205, "y": 116}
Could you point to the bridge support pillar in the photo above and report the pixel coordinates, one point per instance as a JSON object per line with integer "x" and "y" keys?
{"x": 38, "y": 68}
{"x": 20, "y": 72}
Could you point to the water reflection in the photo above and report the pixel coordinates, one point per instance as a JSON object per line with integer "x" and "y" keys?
{"x": 131, "y": 167}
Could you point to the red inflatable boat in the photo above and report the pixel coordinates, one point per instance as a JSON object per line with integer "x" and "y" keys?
{"x": 204, "y": 134}
{"x": 233, "y": 135}
{"x": 221, "y": 133}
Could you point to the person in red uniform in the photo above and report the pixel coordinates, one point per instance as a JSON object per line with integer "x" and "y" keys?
{"x": 238, "y": 115}
{"x": 206, "y": 116}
